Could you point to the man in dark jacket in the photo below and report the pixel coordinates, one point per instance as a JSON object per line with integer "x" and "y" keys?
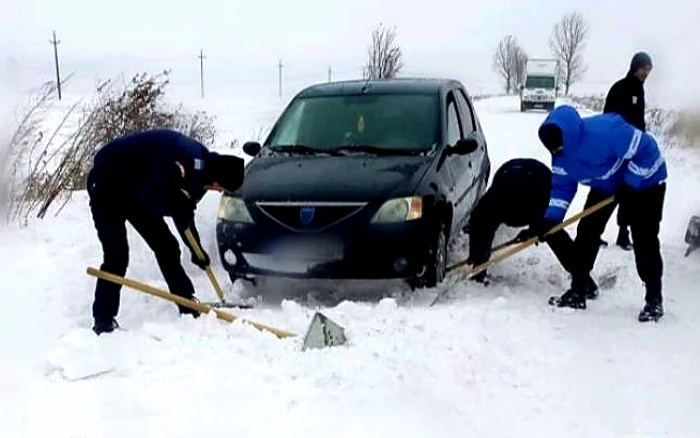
{"x": 613, "y": 158}
{"x": 626, "y": 98}
{"x": 518, "y": 197}
{"x": 142, "y": 178}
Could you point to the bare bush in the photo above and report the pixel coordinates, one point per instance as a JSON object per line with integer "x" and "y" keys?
{"x": 384, "y": 58}
{"x": 567, "y": 42}
{"x": 674, "y": 128}
{"x": 687, "y": 126}
{"x": 59, "y": 164}
{"x": 509, "y": 62}
{"x": 24, "y": 153}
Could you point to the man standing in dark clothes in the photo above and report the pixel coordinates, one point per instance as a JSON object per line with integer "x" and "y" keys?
{"x": 616, "y": 159}
{"x": 518, "y": 197}
{"x": 626, "y": 98}
{"x": 142, "y": 178}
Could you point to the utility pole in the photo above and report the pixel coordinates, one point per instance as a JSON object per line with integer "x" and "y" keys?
{"x": 201, "y": 70}
{"x": 330, "y": 73}
{"x": 280, "y": 78}
{"x": 55, "y": 43}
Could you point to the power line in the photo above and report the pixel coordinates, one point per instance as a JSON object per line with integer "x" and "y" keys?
{"x": 55, "y": 43}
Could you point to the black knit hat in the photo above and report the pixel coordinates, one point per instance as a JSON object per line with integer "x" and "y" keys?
{"x": 640, "y": 60}
{"x": 551, "y": 136}
{"x": 226, "y": 170}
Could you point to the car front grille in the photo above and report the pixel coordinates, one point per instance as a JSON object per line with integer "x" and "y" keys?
{"x": 309, "y": 216}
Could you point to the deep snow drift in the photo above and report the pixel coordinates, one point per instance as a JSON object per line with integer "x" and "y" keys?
{"x": 488, "y": 362}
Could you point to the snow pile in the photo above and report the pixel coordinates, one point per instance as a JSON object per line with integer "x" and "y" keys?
{"x": 487, "y": 361}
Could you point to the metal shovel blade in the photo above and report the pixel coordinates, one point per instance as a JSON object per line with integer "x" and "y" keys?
{"x": 692, "y": 233}
{"x": 228, "y": 305}
{"x": 323, "y": 332}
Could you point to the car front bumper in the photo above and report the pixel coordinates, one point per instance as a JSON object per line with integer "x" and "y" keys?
{"x": 387, "y": 251}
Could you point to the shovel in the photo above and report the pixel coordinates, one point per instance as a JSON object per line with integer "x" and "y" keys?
{"x": 322, "y": 332}
{"x": 529, "y": 242}
{"x": 692, "y": 235}
{"x": 210, "y": 273}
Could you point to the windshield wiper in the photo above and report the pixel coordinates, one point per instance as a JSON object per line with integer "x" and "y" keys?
{"x": 301, "y": 149}
{"x": 376, "y": 150}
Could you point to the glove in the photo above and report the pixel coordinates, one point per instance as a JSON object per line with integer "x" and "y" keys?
{"x": 541, "y": 228}
{"x": 202, "y": 264}
{"x": 524, "y": 235}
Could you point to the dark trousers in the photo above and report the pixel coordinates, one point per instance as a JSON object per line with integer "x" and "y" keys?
{"x": 622, "y": 217}
{"x": 563, "y": 247}
{"x": 644, "y": 209}
{"x": 110, "y": 222}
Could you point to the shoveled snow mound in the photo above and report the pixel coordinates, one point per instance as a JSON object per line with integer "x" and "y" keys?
{"x": 490, "y": 362}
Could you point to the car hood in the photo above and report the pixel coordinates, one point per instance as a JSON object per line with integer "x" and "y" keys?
{"x": 322, "y": 178}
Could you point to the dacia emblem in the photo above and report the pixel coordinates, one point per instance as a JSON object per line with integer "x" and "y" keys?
{"x": 306, "y": 215}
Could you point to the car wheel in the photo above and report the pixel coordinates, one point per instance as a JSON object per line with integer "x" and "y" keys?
{"x": 436, "y": 266}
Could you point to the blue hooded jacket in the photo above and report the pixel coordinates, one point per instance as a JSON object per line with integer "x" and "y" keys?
{"x": 602, "y": 152}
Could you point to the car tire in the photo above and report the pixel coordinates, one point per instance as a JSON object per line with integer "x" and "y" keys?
{"x": 436, "y": 265}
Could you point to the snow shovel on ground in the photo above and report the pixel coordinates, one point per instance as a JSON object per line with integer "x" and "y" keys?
{"x": 322, "y": 332}
{"x": 692, "y": 235}
{"x": 531, "y": 241}
{"x": 210, "y": 273}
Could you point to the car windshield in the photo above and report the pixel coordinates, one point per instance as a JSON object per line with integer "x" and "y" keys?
{"x": 539, "y": 82}
{"x": 389, "y": 122}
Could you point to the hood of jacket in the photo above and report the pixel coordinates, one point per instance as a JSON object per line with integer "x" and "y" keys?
{"x": 567, "y": 119}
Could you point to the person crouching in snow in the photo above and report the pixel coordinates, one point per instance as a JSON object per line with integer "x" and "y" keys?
{"x": 518, "y": 197}
{"x": 141, "y": 178}
{"x": 613, "y": 158}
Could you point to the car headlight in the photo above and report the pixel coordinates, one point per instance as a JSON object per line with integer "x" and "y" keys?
{"x": 234, "y": 209}
{"x": 400, "y": 210}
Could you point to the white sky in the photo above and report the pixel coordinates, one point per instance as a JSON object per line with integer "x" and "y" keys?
{"x": 243, "y": 41}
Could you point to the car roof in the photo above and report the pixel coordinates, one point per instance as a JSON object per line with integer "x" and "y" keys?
{"x": 380, "y": 86}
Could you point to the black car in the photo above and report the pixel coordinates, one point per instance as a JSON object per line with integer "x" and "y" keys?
{"x": 358, "y": 180}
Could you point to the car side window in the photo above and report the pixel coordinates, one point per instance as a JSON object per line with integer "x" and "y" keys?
{"x": 468, "y": 112}
{"x": 454, "y": 131}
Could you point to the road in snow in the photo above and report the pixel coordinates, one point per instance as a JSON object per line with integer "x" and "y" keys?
{"x": 489, "y": 362}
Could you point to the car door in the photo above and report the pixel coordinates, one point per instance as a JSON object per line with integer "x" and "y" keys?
{"x": 476, "y": 168}
{"x": 457, "y": 164}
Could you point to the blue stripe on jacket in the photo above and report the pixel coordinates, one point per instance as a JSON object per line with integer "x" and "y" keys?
{"x": 602, "y": 152}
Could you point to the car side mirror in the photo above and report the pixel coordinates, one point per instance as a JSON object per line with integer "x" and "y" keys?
{"x": 521, "y": 87}
{"x": 252, "y": 148}
{"x": 464, "y": 146}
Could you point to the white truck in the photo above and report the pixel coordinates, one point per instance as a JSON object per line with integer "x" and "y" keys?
{"x": 541, "y": 84}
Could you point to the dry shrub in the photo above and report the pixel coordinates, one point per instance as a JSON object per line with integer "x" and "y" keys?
{"x": 53, "y": 162}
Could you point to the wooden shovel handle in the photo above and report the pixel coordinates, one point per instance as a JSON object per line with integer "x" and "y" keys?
{"x": 531, "y": 241}
{"x": 200, "y": 254}
{"x": 202, "y": 308}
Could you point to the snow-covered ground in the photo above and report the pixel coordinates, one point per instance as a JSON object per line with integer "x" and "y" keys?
{"x": 487, "y": 362}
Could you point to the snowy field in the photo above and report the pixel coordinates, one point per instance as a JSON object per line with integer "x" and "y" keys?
{"x": 491, "y": 361}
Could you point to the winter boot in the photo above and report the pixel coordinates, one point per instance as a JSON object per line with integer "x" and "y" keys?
{"x": 571, "y": 298}
{"x": 623, "y": 239}
{"x": 187, "y": 311}
{"x": 591, "y": 289}
{"x": 481, "y": 277}
{"x": 652, "y": 311}
{"x": 104, "y": 325}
